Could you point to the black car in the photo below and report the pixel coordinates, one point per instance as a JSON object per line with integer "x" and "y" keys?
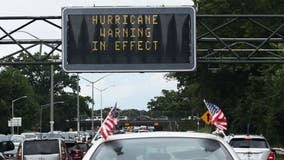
{"x": 76, "y": 150}
{"x": 5, "y": 146}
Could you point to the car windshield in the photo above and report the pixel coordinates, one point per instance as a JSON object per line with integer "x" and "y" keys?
{"x": 41, "y": 147}
{"x": 248, "y": 143}
{"x": 162, "y": 149}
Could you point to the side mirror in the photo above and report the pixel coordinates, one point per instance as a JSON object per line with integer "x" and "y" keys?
{"x": 6, "y": 146}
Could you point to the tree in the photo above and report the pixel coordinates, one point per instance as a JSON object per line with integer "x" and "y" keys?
{"x": 39, "y": 78}
{"x": 14, "y": 85}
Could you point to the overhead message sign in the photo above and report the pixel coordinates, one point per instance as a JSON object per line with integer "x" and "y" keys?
{"x": 128, "y": 39}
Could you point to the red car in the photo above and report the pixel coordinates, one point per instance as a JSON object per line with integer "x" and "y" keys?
{"x": 76, "y": 150}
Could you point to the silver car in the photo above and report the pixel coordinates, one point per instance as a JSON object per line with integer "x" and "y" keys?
{"x": 161, "y": 146}
{"x": 251, "y": 147}
{"x": 42, "y": 149}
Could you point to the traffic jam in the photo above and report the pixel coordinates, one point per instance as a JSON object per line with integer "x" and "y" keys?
{"x": 139, "y": 144}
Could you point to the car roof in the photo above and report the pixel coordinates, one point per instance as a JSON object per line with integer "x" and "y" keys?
{"x": 162, "y": 134}
{"x": 159, "y": 134}
{"x": 43, "y": 139}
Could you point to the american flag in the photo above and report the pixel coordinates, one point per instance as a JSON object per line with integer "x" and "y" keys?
{"x": 217, "y": 117}
{"x": 107, "y": 127}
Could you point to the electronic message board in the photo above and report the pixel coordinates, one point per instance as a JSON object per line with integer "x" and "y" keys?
{"x": 129, "y": 39}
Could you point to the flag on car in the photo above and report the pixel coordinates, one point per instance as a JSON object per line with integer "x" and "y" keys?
{"x": 109, "y": 123}
{"x": 217, "y": 117}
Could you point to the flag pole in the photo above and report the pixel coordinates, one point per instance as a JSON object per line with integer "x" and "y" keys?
{"x": 206, "y": 106}
{"x": 98, "y": 132}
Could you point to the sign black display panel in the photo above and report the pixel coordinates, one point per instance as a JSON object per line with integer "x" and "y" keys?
{"x": 129, "y": 39}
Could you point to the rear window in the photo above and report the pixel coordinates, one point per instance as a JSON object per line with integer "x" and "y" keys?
{"x": 248, "y": 143}
{"x": 41, "y": 147}
{"x": 162, "y": 149}
{"x": 83, "y": 146}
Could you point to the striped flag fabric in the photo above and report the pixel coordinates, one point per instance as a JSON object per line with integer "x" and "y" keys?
{"x": 217, "y": 117}
{"x": 108, "y": 125}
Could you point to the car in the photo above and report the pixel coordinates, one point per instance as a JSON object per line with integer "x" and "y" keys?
{"x": 76, "y": 150}
{"x": 4, "y": 137}
{"x": 29, "y": 135}
{"x": 16, "y": 139}
{"x": 163, "y": 118}
{"x": 251, "y": 147}
{"x": 40, "y": 149}
{"x": 54, "y": 134}
{"x": 73, "y": 149}
{"x": 142, "y": 118}
{"x": 84, "y": 147}
{"x": 123, "y": 118}
{"x": 161, "y": 146}
{"x": 5, "y": 145}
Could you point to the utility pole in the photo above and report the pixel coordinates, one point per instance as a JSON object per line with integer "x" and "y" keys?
{"x": 101, "y": 93}
{"x": 51, "y": 98}
{"x": 78, "y": 106}
{"x": 93, "y": 103}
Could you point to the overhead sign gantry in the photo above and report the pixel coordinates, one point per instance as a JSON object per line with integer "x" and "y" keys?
{"x": 129, "y": 39}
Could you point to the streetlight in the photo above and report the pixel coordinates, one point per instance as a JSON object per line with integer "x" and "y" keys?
{"x": 13, "y": 101}
{"x": 40, "y": 47}
{"x": 41, "y": 108}
{"x": 101, "y": 92}
{"x": 93, "y": 103}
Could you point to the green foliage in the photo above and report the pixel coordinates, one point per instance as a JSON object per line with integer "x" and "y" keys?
{"x": 240, "y": 7}
{"x": 39, "y": 76}
{"x": 13, "y": 85}
{"x": 34, "y": 81}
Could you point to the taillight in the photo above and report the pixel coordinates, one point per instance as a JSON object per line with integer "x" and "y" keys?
{"x": 271, "y": 156}
{"x": 77, "y": 151}
{"x": 19, "y": 154}
{"x": 63, "y": 154}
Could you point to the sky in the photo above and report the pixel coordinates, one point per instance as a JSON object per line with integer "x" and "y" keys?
{"x": 129, "y": 90}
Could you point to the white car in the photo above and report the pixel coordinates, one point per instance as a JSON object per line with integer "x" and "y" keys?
{"x": 29, "y": 135}
{"x": 251, "y": 147}
{"x": 161, "y": 146}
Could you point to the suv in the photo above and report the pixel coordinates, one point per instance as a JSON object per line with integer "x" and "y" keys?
{"x": 42, "y": 149}
{"x": 251, "y": 147}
